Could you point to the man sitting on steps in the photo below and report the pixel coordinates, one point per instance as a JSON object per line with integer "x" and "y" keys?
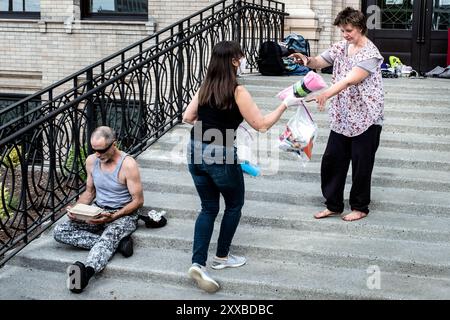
{"x": 113, "y": 180}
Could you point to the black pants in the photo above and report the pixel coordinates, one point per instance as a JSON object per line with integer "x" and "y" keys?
{"x": 335, "y": 162}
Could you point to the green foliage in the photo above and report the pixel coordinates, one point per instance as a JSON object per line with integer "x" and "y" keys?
{"x": 4, "y": 191}
{"x": 70, "y": 163}
{"x": 13, "y": 157}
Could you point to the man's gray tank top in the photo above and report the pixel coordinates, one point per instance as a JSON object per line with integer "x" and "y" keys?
{"x": 109, "y": 191}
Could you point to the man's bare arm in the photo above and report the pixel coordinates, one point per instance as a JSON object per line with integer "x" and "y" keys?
{"x": 89, "y": 194}
{"x": 134, "y": 184}
{"x": 311, "y": 62}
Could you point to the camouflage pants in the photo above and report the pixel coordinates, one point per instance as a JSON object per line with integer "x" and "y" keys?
{"x": 102, "y": 240}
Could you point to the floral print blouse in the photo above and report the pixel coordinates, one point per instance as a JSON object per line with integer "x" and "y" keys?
{"x": 356, "y": 108}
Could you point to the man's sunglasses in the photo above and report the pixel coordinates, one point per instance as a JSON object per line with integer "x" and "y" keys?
{"x": 105, "y": 149}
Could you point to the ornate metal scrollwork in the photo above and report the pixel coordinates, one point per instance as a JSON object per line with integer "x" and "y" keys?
{"x": 140, "y": 91}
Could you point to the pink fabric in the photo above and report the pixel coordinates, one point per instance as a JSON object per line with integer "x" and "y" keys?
{"x": 356, "y": 108}
{"x": 313, "y": 81}
{"x": 283, "y": 94}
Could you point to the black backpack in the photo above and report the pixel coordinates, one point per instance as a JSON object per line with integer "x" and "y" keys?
{"x": 270, "y": 62}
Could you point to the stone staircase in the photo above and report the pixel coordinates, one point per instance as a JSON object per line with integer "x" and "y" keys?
{"x": 400, "y": 251}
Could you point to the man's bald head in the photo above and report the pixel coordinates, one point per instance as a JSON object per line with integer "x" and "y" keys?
{"x": 104, "y": 132}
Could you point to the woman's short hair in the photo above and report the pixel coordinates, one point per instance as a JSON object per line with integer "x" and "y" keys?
{"x": 351, "y": 16}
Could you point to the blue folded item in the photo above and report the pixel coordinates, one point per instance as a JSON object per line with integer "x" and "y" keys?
{"x": 292, "y": 68}
{"x": 250, "y": 169}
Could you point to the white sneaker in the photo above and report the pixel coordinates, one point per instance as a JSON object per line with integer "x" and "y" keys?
{"x": 204, "y": 281}
{"x": 230, "y": 262}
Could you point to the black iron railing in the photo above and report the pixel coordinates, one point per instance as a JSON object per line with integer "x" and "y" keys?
{"x": 140, "y": 91}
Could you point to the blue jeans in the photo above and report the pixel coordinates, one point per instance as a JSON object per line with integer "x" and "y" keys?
{"x": 211, "y": 180}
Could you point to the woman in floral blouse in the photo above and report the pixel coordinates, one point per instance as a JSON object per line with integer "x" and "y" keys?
{"x": 356, "y": 114}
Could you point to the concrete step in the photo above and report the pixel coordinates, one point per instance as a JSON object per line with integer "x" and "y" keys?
{"x": 431, "y": 93}
{"x": 428, "y": 259}
{"x": 293, "y": 280}
{"x": 182, "y": 134}
{"x": 405, "y": 86}
{"x": 392, "y": 112}
{"x": 397, "y": 99}
{"x": 389, "y": 138}
{"x": 419, "y": 87}
{"x": 386, "y": 157}
{"x": 414, "y": 179}
{"x": 390, "y": 95}
{"x": 401, "y": 226}
{"x": 399, "y": 125}
{"x": 44, "y": 284}
{"x": 297, "y": 192}
{"x": 406, "y": 126}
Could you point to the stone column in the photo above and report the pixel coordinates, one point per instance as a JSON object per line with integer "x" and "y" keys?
{"x": 302, "y": 20}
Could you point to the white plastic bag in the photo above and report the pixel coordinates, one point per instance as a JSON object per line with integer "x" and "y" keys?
{"x": 246, "y": 143}
{"x": 300, "y": 135}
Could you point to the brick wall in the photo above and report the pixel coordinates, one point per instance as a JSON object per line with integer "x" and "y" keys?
{"x": 89, "y": 42}
{"x": 167, "y": 12}
{"x": 326, "y": 11}
{"x": 36, "y": 53}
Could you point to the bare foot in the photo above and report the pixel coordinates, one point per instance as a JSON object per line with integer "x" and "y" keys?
{"x": 354, "y": 215}
{"x": 325, "y": 213}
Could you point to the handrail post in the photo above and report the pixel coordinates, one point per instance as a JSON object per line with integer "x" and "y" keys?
{"x": 75, "y": 138}
{"x": 52, "y": 155}
{"x": 142, "y": 109}
{"x": 180, "y": 72}
{"x": 237, "y": 24}
{"x": 22, "y": 209}
{"x": 157, "y": 90}
{"x": 90, "y": 112}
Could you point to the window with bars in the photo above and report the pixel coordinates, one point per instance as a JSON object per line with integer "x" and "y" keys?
{"x": 441, "y": 15}
{"x": 20, "y": 8}
{"x": 115, "y": 9}
{"x": 396, "y": 14}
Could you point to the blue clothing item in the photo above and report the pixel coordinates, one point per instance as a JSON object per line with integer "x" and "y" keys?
{"x": 293, "y": 68}
{"x": 109, "y": 192}
{"x": 250, "y": 169}
{"x": 211, "y": 180}
{"x": 297, "y": 43}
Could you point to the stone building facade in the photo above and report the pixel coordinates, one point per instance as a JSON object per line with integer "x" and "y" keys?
{"x": 38, "y": 51}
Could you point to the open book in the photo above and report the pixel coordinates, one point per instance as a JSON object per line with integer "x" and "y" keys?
{"x": 85, "y": 212}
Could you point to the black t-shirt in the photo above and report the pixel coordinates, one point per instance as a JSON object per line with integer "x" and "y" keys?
{"x": 217, "y": 126}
